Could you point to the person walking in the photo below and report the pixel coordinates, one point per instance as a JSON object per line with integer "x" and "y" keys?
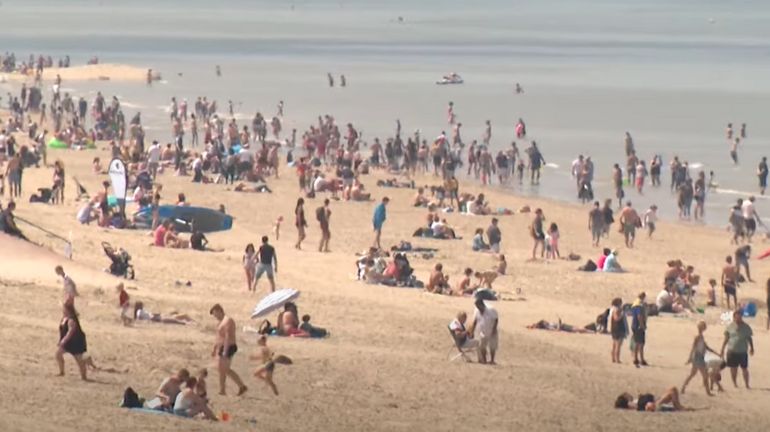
{"x": 697, "y": 359}
{"x": 378, "y": 220}
{"x": 739, "y": 342}
{"x": 224, "y": 350}
{"x": 72, "y": 340}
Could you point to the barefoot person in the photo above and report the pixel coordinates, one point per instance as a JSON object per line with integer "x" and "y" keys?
{"x": 485, "y": 323}
{"x": 739, "y": 342}
{"x": 224, "y": 350}
{"x": 629, "y": 221}
{"x": 323, "y": 214}
{"x": 268, "y": 263}
{"x": 647, "y": 403}
{"x": 250, "y": 266}
{"x": 730, "y": 281}
{"x": 300, "y": 222}
{"x": 537, "y": 233}
{"x": 378, "y": 220}
{"x": 68, "y": 285}
{"x": 72, "y": 340}
{"x": 618, "y": 328}
{"x": 697, "y": 358}
{"x": 269, "y": 360}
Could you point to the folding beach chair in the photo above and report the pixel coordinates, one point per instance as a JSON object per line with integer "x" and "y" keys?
{"x": 82, "y": 192}
{"x": 461, "y": 347}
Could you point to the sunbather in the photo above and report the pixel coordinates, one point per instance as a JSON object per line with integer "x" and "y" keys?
{"x": 647, "y": 402}
{"x": 174, "y": 318}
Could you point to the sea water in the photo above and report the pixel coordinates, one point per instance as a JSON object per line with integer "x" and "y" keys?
{"x": 673, "y": 73}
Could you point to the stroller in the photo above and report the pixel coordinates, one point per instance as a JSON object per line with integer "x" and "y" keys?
{"x": 120, "y": 261}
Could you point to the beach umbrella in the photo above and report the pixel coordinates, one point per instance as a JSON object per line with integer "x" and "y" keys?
{"x": 274, "y": 301}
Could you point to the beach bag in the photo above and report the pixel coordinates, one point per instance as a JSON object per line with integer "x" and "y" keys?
{"x": 750, "y": 310}
{"x": 131, "y": 399}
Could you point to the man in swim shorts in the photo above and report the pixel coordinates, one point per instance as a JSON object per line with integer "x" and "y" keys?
{"x": 730, "y": 281}
{"x": 740, "y": 344}
{"x": 224, "y": 349}
{"x": 629, "y": 220}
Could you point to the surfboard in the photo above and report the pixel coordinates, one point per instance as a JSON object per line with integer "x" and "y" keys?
{"x": 205, "y": 219}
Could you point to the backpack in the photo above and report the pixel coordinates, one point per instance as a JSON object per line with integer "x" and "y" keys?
{"x": 131, "y": 399}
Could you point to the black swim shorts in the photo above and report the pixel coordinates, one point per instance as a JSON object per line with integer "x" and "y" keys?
{"x": 735, "y": 360}
{"x": 230, "y": 351}
{"x": 639, "y": 336}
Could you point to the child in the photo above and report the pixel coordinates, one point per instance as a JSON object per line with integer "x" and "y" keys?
{"x": 502, "y": 265}
{"x": 310, "y": 329}
{"x": 650, "y": 218}
{"x": 266, "y": 356}
{"x": 124, "y": 304}
{"x": 712, "y": 294}
{"x": 553, "y": 242}
{"x": 200, "y": 386}
{"x": 277, "y": 227}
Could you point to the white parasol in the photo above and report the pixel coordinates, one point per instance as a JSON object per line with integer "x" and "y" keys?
{"x": 274, "y": 301}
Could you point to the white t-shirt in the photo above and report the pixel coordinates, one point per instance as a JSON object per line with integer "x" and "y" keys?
{"x": 153, "y": 153}
{"x": 84, "y": 214}
{"x": 485, "y": 323}
{"x": 437, "y": 228}
{"x": 70, "y": 290}
{"x": 455, "y": 325}
{"x": 319, "y": 183}
{"x": 747, "y": 209}
{"x": 664, "y": 299}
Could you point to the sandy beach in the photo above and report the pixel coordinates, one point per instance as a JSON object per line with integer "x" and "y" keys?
{"x": 590, "y": 71}
{"x": 97, "y": 72}
{"x": 385, "y": 365}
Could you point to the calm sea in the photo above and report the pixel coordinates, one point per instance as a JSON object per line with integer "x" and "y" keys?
{"x": 674, "y": 73}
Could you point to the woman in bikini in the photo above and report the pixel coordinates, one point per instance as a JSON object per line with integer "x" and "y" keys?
{"x": 250, "y": 266}
{"x": 698, "y": 359}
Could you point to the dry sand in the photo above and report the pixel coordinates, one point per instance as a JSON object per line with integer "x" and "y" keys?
{"x": 385, "y": 366}
{"x": 113, "y": 72}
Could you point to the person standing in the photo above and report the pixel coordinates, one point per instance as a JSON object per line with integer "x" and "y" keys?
{"x": 639, "y": 329}
{"x": 323, "y": 214}
{"x": 739, "y": 342}
{"x": 537, "y": 233}
{"x": 730, "y": 281}
{"x": 762, "y": 175}
{"x": 224, "y": 350}
{"x": 629, "y": 221}
{"x": 494, "y": 236}
{"x": 268, "y": 263}
{"x": 378, "y": 220}
{"x": 485, "y": 323}
{"x": 618, "y": 328}
{"x": 617, "y": 180}
{"x": 153, "y": 158}
{"x": 72, "y": 340}
{"x": 650, "y": 219}
{"x": 300, "y": 222}
{"x": 596, "y": 224}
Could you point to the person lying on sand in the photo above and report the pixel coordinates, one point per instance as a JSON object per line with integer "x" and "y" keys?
{"x": 557, "y": 326}
{"x": 269, "y": 360}
{"x": 647, "y": 402}
{"x": 260, "y": 188}
{"x": 142, "y": 314}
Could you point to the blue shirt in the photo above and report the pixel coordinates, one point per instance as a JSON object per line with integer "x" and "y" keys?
{"x": 379, "y": 216}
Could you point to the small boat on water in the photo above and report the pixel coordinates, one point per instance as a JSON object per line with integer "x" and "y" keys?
{"x": 452, "y": 78}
